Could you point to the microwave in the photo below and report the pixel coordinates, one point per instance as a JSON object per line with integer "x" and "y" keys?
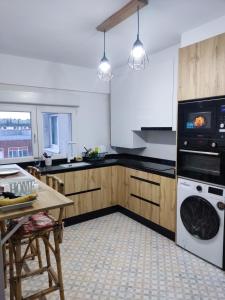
{"x": 201, "y": 124}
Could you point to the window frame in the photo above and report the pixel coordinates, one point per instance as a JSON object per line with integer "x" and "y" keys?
{"x": 34, "y": 135}
{"x": 37, "y": 127}
{"x": 56, "y": 110}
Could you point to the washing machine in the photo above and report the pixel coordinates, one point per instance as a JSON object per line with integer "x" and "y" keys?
{"x": 200, "y": 219}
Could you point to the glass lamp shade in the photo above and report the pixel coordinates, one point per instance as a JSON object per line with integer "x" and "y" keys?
{"x": 105, "y": 70}
{"x": 138, "y": 58}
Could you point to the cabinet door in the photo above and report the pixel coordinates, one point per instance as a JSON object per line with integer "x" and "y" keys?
{"x": 76, "y": 181}
{"x": 201, "y": 69}
{"x": 106, "y": 187}
{"x": 94, "y": 178}
{"x": 168, "y": 203}
{"x": 149, "y": 211}
{"x": 143, "y": 194}
{"x": 118, "y": 185}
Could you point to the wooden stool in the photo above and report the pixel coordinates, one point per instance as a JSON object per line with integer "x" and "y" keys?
{"x": 38, "y": 227}
{"x": 33, "y": 247}
{"x": 31, "y": 232}
{"x": 34, "y": 171}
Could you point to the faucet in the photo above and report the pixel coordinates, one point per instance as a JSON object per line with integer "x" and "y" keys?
{"x": 70, "y": 154}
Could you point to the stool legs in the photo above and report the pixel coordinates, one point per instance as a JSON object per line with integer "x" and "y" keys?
{"x": 57, "y": 238}
{"x": 18, "y": 267}
{"x": 38, "y": 253}
{"x": 16, "y": 258}
{"x": 48, "y": 259}
{"x": 11, "y": 272}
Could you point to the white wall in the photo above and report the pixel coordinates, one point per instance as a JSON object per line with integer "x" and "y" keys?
{"x": 159, "y": 144}
{"x": 24, "y": 80}
{"x": 39, "y": 73}
{"x": 203, "y": 32}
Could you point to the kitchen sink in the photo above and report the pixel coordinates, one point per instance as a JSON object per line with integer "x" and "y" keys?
{"x": 74, "y": 165}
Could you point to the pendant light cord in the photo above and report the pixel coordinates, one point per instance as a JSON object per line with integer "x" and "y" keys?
{"x": 104, "y": 43}
{"x": 138, "y": 22}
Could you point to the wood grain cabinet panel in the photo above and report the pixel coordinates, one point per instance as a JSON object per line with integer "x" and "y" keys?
{"x": 134, "y": 204}
{"x": 118, "y": 185}
{"x": 148, "y": 195}
{"x": 201, "y": 69}
{"x": 149, "y": 211}
{"x": 106, "y": 187}
{"x": 76, "y": 181}
{"x": 168, "y": 203}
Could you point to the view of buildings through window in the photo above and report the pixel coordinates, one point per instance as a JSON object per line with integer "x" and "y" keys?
{"x": 54, "y": 130}
{"x": 15, "y": 134}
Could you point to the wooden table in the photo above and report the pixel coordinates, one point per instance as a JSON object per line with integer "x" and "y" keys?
{"x": 47, "y": 199}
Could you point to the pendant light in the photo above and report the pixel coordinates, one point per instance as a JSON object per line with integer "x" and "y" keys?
{"x": 138, "y": 58}
{"x": 104, "y": 68}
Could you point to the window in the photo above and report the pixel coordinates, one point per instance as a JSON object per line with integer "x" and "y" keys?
{"x": 18, "y": 152}
{"x": 16, "y": 129}
{"x": 27, "y": 131}
{"x": 56, "y": 129}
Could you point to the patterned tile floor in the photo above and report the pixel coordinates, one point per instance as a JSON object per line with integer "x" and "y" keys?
{"x": 114, "y": 257}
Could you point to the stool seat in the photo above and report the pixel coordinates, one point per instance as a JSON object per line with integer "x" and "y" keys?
{"x": 38, "y": 222}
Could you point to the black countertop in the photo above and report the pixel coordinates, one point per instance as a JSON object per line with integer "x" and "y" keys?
{"x": 156, "y": 166}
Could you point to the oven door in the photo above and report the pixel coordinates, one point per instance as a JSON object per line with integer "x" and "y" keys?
{"x": 204, "y": 166}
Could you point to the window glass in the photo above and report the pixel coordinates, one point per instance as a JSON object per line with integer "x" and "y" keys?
{"x": 57, "y": 132}
{"x": 15, "y": 134}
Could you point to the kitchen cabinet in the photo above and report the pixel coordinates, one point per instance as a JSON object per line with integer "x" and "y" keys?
{"x": 118, "y": 185}
{"x": 168, "y": 203}
{"x": 151, "y": 196}
{"x": 89, "y": 189}
{"x": 143, "y": 194}
{"x": 201, "y": 69}
{"x": 144, "y": 99}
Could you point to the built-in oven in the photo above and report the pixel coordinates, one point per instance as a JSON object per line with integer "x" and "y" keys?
{"x": 202, "y": 165}
{"x": 201, "y": 140}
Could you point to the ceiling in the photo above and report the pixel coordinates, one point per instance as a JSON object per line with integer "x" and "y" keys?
{"x": 64, "y": 31}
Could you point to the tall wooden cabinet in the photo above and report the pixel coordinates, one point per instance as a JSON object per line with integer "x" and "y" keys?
{"x": 201, "y": 69}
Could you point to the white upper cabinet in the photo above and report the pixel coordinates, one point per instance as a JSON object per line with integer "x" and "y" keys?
{"x": 144, "y": 99}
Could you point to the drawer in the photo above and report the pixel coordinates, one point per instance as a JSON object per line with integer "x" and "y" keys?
{"x": 145, "y": 188}
{"x": 150, "y": 211}
{"x": 146, "y": 210}
{"x": 84, "y": 180}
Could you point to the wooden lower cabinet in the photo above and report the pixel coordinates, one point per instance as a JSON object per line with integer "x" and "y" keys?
{"x": 151, "y": 196}
{"x": 168, "y": 203}
{"x": 118, "y": 185}
{"x": 84, "y": 203}
{"x": 89, "y": 189}
{"x": 148, "y": 195}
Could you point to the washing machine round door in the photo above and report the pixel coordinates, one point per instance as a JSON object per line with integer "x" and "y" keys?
{"x": 199, "y": 217}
